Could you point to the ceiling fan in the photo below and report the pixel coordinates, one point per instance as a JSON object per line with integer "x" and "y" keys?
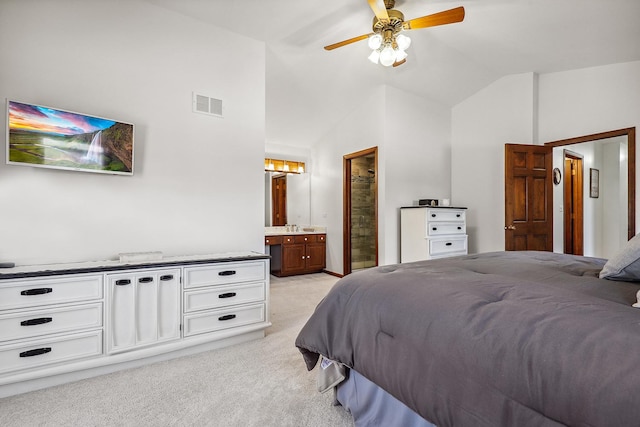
{"x": 387, "y": 42}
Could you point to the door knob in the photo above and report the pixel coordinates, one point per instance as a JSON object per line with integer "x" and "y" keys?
{"x": 510, "y": 227}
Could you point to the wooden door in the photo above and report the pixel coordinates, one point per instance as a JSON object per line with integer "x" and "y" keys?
{"x": 528, "y": 198}
{"x": 279, "y": 200}
{"x": 573, "y": 204}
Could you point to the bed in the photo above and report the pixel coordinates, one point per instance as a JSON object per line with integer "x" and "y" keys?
{"x": 494, "y": 339}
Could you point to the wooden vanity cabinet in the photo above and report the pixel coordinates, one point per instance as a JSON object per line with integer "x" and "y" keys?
{"x": 297, "y": 254}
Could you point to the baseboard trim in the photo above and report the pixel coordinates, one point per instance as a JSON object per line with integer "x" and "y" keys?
{"x": 331, "y": 273}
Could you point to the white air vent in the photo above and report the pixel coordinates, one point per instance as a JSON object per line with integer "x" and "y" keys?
{"x": 207, "y": 105}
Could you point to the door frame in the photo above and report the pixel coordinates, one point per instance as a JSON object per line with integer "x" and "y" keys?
{"x": 346, "y": 204}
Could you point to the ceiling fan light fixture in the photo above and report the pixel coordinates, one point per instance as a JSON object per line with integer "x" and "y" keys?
{"x": 387, "y": 56}
{"x": 386, "y": 40}
{"x": 375, "y": 41}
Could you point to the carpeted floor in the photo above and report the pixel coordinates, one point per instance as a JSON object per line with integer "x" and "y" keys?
{"x": 259, "y": 383}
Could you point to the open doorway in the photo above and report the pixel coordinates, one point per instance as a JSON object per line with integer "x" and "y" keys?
{"x": 360, "y": 216}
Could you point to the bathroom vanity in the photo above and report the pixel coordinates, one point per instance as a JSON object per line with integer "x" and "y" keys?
{"x": 296, "y": 252}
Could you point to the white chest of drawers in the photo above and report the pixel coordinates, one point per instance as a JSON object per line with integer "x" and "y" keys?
{"x": 219, "y": 297}
{"x": 45, "y": 321}
{"x": 65, "y": 322}
{"x": 432, "y": 232}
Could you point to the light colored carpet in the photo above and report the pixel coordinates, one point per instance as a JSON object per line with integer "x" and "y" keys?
{"x": 258, "y": 383}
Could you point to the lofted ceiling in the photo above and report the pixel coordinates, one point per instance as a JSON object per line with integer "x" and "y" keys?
{"x": 308, "y": 89}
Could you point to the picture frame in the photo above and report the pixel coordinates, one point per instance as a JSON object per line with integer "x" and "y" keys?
{"x": 594, "y": 183}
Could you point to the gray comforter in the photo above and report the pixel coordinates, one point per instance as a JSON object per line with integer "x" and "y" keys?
{"x": 497, "y": 339}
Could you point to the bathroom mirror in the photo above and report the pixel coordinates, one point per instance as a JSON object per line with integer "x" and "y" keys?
{"x": 298, "y": 198}
{"x": 608, "y": 216}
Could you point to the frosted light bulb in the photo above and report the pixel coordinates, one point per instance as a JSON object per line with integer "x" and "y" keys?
{"x": 403, "y": 42}
{"x": 375, "y": 55}
{"x": 375, "y": 41}
{"x": 400, "y": 55}
{"x": 387, "y": 56}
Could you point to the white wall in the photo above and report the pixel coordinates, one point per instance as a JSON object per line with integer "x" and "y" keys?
{"x": 417, "y": 161}
{"x": 412, "y": 136}
{"x": 591, "y": 100}
{"x": 197, "y": 186}
{"x": 362, "y": 128}
{"x": 529, "y": 109}
{"x": 503, "y": 112}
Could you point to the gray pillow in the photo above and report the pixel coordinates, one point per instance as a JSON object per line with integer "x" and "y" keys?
{"x": 625, "y": 265}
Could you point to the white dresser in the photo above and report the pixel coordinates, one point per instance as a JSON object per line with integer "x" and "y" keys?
{"x": 63, "y": 322}
{"x": 432, "y": 232}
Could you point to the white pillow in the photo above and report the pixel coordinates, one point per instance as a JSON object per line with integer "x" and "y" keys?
{"x": 625, "y": 265}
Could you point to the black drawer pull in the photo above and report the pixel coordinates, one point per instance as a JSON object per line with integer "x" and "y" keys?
{"x": 35, "y": 352}
{"x": 433, "y": 215}
{"x": 167, "y": 277}
{"x": 123, "y": 282}
{"x": 435, "y": 228}
{"x": 227, "y": 317}
{"x": 458, "y": 215}
{"x": 459, "y": 228}
{"x": 227, "y": 273}
{"x": 145, "y": 280}
{"x": 38, "y": 321}
{"x": 227, "y": 295}
{"x": 448, "y": 243}
{"x": 38, "y": 291}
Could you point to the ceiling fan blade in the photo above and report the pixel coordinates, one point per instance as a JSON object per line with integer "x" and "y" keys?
{"x": 379, "y": 10}
{"x": 346, "y": 42}
{"x": 398, "y": 63}
{"x": 441, "y": 18}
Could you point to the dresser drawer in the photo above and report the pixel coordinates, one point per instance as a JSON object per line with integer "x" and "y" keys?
{"x": 46, "y": 351}
{"x": 222, "y": 296}
{"x": 287, "y": 240}
{"x": 216, "y": 320}
{"x": 446, "y": 228}
{"x": 273, "y": 240}
{"x": 27, "y": 324}
{"x": 445, "y": 215}
{"x": 306, "y": 238}
{"x": 36, "y": 292}
{"x": 447, "y": 246}
{"x": 224, "y": 273}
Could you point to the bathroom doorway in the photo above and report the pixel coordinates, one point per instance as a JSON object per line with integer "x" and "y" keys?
{"x": 360, "y": 210}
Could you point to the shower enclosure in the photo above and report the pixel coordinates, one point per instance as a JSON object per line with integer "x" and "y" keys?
{"x": 360, "y": 211}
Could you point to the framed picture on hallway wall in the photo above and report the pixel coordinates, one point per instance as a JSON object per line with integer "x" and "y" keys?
{"x": 594, "y": 180}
